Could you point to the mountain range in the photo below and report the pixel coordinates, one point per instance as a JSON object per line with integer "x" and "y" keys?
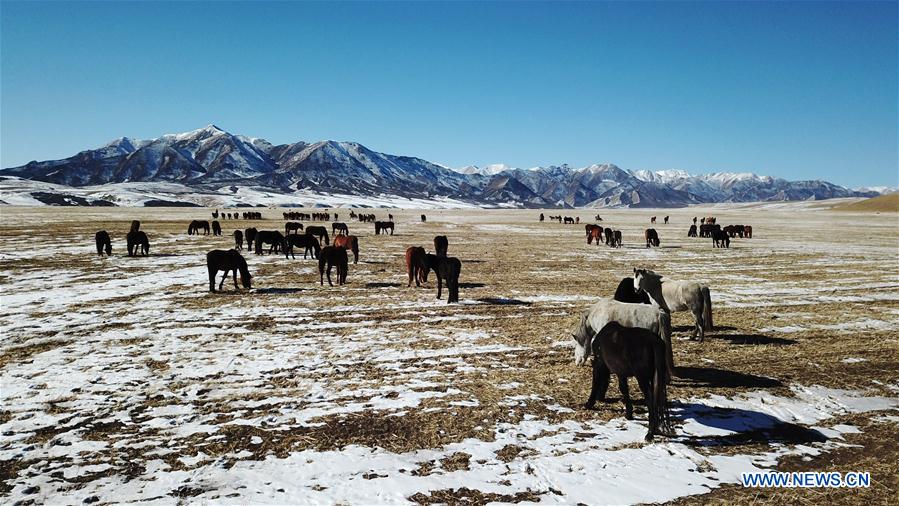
{"x": 210, "y": 159}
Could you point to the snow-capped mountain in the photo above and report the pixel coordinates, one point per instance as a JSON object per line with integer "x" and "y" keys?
{"x": 210, "y": 158}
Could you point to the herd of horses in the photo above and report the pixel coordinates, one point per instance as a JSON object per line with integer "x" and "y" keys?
{"x": 720, "y": 236}
{"x": 247, "y": 215}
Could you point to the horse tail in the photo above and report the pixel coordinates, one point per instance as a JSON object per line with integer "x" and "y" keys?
{"x": 660, "y": 391}
{"x": 706, "y": 308}
{"x": 327, "y": 241}
{"x": 665, "y": 334}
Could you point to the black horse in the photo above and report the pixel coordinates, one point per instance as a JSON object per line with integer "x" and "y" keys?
{"x": 692, "y": 231}
{"x": 447, "y": 269}
{"x": 238, "y": 240}
{"x": 307, "y": 242}
{"x": 333, "y": 256}
{"x": 292, "y": 226}
{"x": 196, "y": 225}
{"x": 250, "y": 235}
{"x": 720, "y": 239}
{"x": 340, "y": 228}
{"x": 424, "y": 218}
{"x": 221, "y": 260}
{"x": 135, "y": 239}
{"x": 383, "y": 226}
{"x": 104, "y": 243}
{"x": 626, "y": 293}
{"x": 632, "y": 352}
{"x": 216, "y": 228}
{"x": 441, "y": 245}
{"x": 652, "y": 237}
{"x": 272, "y": 237}
{"x": 320, "y": 232}
{"x": 610, "y": 237}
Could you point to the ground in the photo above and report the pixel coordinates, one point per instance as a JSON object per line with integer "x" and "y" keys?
{"x": 124, "y": 379}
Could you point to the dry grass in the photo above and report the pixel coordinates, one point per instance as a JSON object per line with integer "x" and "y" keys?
{"x": 888, "y": 203}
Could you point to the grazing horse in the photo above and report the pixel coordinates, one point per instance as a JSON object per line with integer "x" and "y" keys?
{"x": 633, "y": 352}
{"x": 416, "y": 265}
{"x": 747, "y": 230}
{"x": 652, "y": 237}
{"x": 447, "y": 269}
{"x": 216, "y": 228}
{"x": 441, "y": 245}
{"x": 349, "y": 243}
{"x": 308, "y": 242}
{"x": 135, "y": 239}
{"x": 692, "y": 231}
{"x": 569, "y": 220}
{"x": 627, "y": 293}
{"x": 293, "y": 226}
{"x": 383, "y": 226}
{"x": 673, "y": 296}
{"x": 652, "y": 220}
{"x": 273, "y": 237}
{"x": 617, "y": 239}
{"x": 644, "y": 316}
{"x": 250, "y": 234}
{"x": 196, "y": 225}
{"x": 594, "y": 233}
{"x": 221, "y": 260}
{"x": 104, "y": 243}
{"x": 332, "y": 256}
{"x": 720, "y": 238}
{"x": 339, "y": 228}
{"x": 238, "y": 240}
{"x": 320, "y": 232}
{"x": 610, "y": 237}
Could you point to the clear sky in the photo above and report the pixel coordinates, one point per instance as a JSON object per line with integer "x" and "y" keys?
{"x": 798, "y": 90}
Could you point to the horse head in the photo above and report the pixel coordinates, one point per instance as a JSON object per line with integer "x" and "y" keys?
{"x": 583, "y": 335}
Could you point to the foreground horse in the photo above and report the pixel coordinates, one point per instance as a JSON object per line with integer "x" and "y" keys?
{"x": 104, "y": 243}
{"x": 307, "y": 242}
{"x": 594, "y": 233}
{"x": 332, "y": 256}
{"x": 652, "y": 237}
{"x": 416, "y": 265}
{"x": 673, "y": 296}
{"x": 626, "y": 293}
{"x": 135, "y": 239}
{"x": 320, "y": 232}
{"x": 349, "y": 243}
{"x": 441, "y": 245}
{"x": 447, "y": 269}
{"x": 642, "y": 316}
{"x": 632, "y": 352}
{"x": 221, "y": 260}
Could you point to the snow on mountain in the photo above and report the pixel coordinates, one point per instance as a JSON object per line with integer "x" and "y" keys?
{"x": 210, "y": 157}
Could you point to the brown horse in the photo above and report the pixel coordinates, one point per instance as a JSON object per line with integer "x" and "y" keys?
{"x": 104, "y": 243}
{"x": 594, "y": 233}
{"x": 416, "y": 266}
{"x": 332, "y": 256}
{"x": 220, "y": 260}
{"x": 747, "y": 230}
{"x": 652, "y": 237}
{"x": 441, "y": 245}
{"x": 348, "y": 242}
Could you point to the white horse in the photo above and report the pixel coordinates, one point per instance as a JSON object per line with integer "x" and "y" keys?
{"x": 674, "y": 296}
{"x": 642, "y": 316}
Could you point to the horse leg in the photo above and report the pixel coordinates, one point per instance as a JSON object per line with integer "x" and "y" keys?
{"x": 601, "y": 377}
{"x": 329, "y": 274}
{"x": 212, "y": 272}
{"x": 439, "y": 285}
{"x": 645, "y": 383}
{"x": 224, "y": 277}
{"x": 234, "y": 275}
{"x": 625, "y": 396}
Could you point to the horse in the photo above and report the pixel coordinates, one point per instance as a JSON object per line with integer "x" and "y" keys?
{"x": 694, "y": 220}
{"x": 215, "y": 214}
{"x": 104, "y": 243}
{"x": 389, "y": 217}
{"x": 644, "y": 316}
{"x": 416, "y": 266}
{"x": 339, "y": 228}
{"x": 292, "y": 226}
{"x": 633, "y": 352}
{"x": 250, "y": 234}
{"x": 320, "y": 232}
{"x": 383, "y": 226}
{"x": 652, "y": 220}
{"x": 216, "y": 228}
{"x": 196, "y": 225}
{"x": 542, "y": 217}
{"x": 350, "y": 243}
{"x": 231, "y": 260}
{"x": 597, "y": 218}
{"x": 308, "y": 242}
{"x": 569, "y": 220}
{"x": 238, "y": 240}
{"x": 610, "y": 237}
{"x": 332, "y": 256}
{"x": 424, "y": 218}
{"x": 138, "y": 238}
{"x": 673, "y": 296}
{"x": 666, "y": 220}
{"x": 747, "y": 230}
{"x": 135, "y": 226}
{"x": 692, "y": 231}
{"x": 626, "y": 293}
{"x": 589, "y": 227}
{"x": 616, "y": 242}
{"x": 594, "y": 233}
{"x": 447, "y": 269}
{"x": 652, "y": 237}
{"x": 441, "y": 245}
{"x": 273, "y": 237}
{"x": 720, "y": 238}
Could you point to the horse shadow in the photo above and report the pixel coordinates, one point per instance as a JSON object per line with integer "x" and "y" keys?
{"x": 278, "y": 291}
{"x": 747, "y": 427}
{"x": 472, "y": 261}
{"x": 383, "y": 285}
{"x": 755, "y": 339}
{"x": 472, "y": 285}
{"x": 501, "y": 301}
{"x": 712, "y": 377}
{"x": 689, "y": 328}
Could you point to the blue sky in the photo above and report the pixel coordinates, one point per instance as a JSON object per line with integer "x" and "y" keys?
{"x": 798, "y": 90}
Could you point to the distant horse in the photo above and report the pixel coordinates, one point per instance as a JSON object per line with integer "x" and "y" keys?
{"x": 748, "y": 231}
{"x": 447, "y": 269}
{"x": 652, "y": 237}
{"x": 308, "y": 242}
{"x": 383, "y": 226}
{"x": 642, "y": 316}
{"x": 674, "y": 296}
{"x": 694, "y": 220}
{"x": 652, "y": 220}
{"x": 610, "y": 237}
{"x": 215, "y": 214}
{"x": 424, "y": 218}
{"x": 597, "y": 218}
{"x": 390, "y": 217}
{"x": 292, "y": 226}
{"x": 720, "y": 239}
{"x": 569, "y": 220}
{"x": 238, "y": 240}
{"x": 627, "y": 293}
{"x": 250, "y": 235}
{"x": 666, "y": 220}
{"x": 616, "y": 241}
{"x": 633, "y": 352}
{"x": 216, "y": 228}
{"x": 416, "y": 266}
{"x": 542, "y": 217}
{"x": 594, "y": 234}
{"x": 135, "y": 239}
{"x": 135, "y": 226}
{"x": 339, "y": 228}
{"x": 692, "y": 231}
{"x": 272, "y": 237}
{"x": 196, "y": 225}
{"x": 221, "y": 260}
{"x": 332, "y": 256}
{"x": 350, "y": 243}
{"x": 441, "y": 245}
{"x": 104, "y": 243}
{"x": 320, "y": 232}
{"x": 589, "y": 227}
